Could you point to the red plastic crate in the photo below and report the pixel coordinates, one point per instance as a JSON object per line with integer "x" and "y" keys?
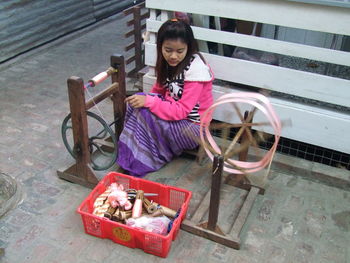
{"x": 152, "y": 243}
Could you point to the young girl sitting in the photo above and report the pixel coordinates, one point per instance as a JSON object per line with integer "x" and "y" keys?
{"x": 164, "y": 123}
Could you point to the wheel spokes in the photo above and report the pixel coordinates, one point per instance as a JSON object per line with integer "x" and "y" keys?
{"x": 99, "y": 146}
{"x": 243, "y": 139}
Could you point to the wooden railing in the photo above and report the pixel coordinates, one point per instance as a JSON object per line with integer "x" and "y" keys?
{"x": 137, "y": 24}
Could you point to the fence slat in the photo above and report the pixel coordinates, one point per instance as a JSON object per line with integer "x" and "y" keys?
{"x": 265, "y": 44}
{"x": 130, "y": 59}
{"x": 285, "y": 13}
{"x": 285, "y": 80}
{"x": 130, "y": 46}
{"x": 130, "y": 10}
{"x": 130, "y": 33}
{"x": 145, "y": 15}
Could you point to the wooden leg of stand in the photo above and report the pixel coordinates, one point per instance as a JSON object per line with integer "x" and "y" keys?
{"x": 201, "y": 154}
{"x": 244, "y": 212}
{"x": 243, "y": 155}
{"x": 191, "y": 227}
{"x": 81, "y": 172}
{"x": 72, "y": 174}
{"x": 117, "y": 62}
{"x": 215, "y": 192}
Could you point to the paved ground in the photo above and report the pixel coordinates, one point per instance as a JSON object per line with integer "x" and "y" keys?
{"x": 304, "y": 215}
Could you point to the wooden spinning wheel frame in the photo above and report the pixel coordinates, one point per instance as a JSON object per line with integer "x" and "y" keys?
{"x": 221, "y": 156}
{"x": 83, "y": 145}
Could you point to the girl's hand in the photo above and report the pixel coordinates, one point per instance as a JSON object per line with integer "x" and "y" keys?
{"x": 136, "y": 101}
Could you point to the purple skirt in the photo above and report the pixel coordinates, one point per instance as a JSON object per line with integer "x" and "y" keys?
{"x": 147, "y": 142}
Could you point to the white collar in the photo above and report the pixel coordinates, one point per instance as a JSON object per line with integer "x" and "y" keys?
{"x": 198, "y": 71}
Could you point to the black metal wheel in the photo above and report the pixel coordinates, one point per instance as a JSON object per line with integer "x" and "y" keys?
{"x": 102, "y": 144}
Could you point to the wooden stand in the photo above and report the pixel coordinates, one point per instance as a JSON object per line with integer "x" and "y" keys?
{"x": 210, "y": 229}
{"x": 81, "y": 172}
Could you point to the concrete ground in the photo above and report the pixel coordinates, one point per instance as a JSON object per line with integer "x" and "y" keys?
{"x": 304, "y": 215}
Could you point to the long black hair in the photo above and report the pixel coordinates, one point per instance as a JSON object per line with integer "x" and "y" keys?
{"x": 174, "y": 30}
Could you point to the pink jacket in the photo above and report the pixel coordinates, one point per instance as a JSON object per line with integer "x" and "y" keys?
{"x": 197, "y": 90}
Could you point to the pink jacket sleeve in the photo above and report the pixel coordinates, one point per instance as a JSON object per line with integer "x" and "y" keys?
{"x": 158, "y": 89}
{"x": 172, "y": 110}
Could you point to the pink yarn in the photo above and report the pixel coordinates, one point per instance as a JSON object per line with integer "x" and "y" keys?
{"x": 118, "y": 197}
{"x": 99, "y": 78}
{"x": 260, "y": 102}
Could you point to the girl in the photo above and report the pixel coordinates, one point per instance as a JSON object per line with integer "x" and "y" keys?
{"x": 160, "y": 125}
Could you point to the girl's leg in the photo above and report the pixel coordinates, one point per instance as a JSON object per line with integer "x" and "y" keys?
{"x": 147, "y": 143}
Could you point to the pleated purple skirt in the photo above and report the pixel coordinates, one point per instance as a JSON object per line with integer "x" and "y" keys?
{"x": 147, "y": 143}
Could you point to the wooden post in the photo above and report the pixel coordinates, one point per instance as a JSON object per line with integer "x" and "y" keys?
{"x": 218, "y": 165}
{"x": 81, "y": 172}
{"x": 117, "y": 62}
{"x": 243, "y": 155}
{"x": 138, "y": 38}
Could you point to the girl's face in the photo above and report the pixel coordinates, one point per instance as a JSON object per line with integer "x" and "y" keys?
{"x": 174, "y": 51}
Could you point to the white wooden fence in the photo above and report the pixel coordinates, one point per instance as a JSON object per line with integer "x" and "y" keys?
{"x": 317, "y": 125}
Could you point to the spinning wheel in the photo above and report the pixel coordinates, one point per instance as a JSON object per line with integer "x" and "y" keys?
{"x": 102, "y": 145}
{"x": 265, "y": 122}
{"x": 87, "y": 136}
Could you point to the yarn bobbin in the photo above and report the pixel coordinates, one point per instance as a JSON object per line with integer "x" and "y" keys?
{"x": 262, "y": 110}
